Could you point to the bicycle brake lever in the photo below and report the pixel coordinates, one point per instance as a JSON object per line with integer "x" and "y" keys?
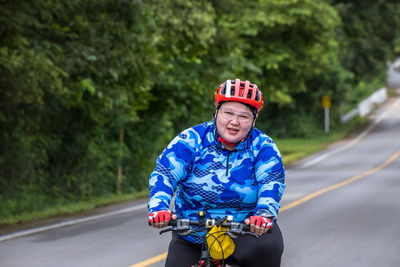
{"x": 165, "y": 230}
{"x": 233, "y": 236}
{"x": 186, "y": 232}
{"x": 251, "y": 234}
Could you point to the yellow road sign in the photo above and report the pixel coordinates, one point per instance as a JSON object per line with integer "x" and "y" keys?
{"x": 326, "y": 101}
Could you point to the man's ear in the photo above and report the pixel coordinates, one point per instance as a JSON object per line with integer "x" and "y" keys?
{"x": 254, "y": 121}
{"x": 214, "y": 116}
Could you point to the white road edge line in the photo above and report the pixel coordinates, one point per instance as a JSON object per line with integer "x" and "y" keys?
{"x": 70, "y": 222}
{"x": 355, "y": 141}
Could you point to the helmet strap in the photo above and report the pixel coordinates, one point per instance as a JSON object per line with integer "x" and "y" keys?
{"x": 223, "y": 141}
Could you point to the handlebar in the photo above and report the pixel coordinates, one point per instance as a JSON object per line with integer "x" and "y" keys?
{"x": 183, "y": 226}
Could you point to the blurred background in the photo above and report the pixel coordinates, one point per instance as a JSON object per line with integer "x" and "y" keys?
{"x": 92, "y": 91}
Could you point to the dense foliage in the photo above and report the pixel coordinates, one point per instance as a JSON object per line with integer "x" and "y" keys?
{"x": 368, "y": 37}
{"x": 91, "y": 91}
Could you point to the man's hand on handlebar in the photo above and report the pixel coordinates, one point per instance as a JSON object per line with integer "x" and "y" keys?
{"x": 160, "y": 219}
{"x": 259, "y": 224}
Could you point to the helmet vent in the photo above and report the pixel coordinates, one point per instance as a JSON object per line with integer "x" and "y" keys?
{"x": 232, "y": 90}
{"x": 258, "y": 96}
{"x": 249, "y": 93}
{"x": 223, "y": 90}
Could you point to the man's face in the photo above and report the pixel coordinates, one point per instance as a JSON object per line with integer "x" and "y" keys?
{"x": 234, "y": 121}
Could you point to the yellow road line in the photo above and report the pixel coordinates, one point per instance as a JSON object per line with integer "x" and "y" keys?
{"x": 297, "y": 202}
{"x": 151, "y": 260}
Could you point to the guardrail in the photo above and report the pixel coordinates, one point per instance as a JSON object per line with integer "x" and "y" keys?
{"x": 366, "y": 106}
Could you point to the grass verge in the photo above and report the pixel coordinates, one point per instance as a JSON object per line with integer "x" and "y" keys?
{"x": 294, "y": 149}
{"x": 70, "y": 208}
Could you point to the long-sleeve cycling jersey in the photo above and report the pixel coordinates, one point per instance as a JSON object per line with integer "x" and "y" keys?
{"x": 245, "y": 181}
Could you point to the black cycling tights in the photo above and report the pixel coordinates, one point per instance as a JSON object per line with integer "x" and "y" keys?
{"x": 264, "y": 251}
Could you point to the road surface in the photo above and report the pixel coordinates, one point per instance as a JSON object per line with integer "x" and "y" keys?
{"x": 342, "y": 210}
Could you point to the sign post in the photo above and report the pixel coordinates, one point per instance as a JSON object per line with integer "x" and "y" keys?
{"x": 326, "y": 104}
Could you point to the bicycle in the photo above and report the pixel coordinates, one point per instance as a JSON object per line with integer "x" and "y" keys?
{"x": 185, "y": 227}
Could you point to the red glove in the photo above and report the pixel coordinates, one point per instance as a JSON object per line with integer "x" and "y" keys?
{"x": 162, "y": 217}
{"x": 263, "y": 222}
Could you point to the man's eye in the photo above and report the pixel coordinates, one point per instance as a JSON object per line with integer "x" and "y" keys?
{"x": 229, "y": 113}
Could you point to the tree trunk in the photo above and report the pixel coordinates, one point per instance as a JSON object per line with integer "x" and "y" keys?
{"x": 119, "y": 175}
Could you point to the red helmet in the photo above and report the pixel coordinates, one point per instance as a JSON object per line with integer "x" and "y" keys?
{"x": 239, "y": 91}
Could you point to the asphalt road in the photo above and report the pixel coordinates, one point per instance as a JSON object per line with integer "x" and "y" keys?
{"x": 356, "y": 223}
{"x": 344, "y": 210}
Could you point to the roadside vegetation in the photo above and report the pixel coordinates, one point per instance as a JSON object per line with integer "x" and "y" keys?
{"x": 92, "y": 91}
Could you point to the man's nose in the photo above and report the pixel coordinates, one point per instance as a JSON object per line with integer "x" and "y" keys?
{"x": 235, "y": 119}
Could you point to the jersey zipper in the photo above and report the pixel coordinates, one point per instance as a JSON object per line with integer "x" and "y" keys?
{"x": 227, "y": 163}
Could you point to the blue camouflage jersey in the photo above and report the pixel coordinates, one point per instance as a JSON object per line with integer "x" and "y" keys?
{"x": 246, "y": 181}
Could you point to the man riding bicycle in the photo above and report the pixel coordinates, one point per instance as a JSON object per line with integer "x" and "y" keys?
{"x": 223, "y": 167}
